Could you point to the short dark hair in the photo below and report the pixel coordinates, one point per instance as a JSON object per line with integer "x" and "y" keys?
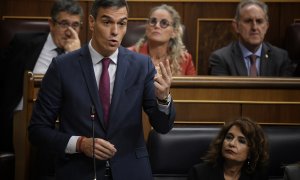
{"x": 69, "y": 6}
{"x": 106, "y": 4}
{"x": 244, "y": 3}
{"x": 258, "y": 144}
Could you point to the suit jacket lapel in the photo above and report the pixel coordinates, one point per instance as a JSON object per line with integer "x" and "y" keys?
{"x": 89, "y": 75}
{"x": 239, "y": 60}
{"x": 119, "y": 84}
{"x": 264, "y": 60}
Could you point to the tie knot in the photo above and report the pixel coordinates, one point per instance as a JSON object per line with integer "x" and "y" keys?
{"x": 105, "y": 63}
{"x": 59, "y": 50}
{"x": 253, "y": 58}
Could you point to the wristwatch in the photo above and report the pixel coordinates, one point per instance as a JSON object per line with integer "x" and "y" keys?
{"x": 164, "y": 101}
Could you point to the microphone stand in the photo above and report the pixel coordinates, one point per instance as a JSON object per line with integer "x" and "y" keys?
{"x": 93, "y": 127}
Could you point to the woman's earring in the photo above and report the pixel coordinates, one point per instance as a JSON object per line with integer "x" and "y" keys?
{"x": 248, "y": 161}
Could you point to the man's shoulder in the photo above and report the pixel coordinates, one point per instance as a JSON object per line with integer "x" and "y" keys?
{"x": 226, "y": 49}
{"x": 273, "y": 48}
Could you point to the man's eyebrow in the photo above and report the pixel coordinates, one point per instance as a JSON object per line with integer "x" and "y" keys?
{"x": 105, "y": 17}
{"x": 125, "y": 18}
{"x": 110, "y": 18}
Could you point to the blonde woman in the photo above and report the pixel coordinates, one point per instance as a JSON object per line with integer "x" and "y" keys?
{"x": 163, "y": 40}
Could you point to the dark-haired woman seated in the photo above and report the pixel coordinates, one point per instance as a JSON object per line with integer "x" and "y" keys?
{"x": 239, "y": 152}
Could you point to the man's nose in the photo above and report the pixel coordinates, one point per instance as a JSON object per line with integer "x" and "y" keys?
{"x": 68, "y": 32}
{"x": 114, "y": 30}
{"x": 254, "y": 24}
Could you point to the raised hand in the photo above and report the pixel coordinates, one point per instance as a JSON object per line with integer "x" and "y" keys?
{"x": 163, "y": 80}
{"x": 73, "y": 41}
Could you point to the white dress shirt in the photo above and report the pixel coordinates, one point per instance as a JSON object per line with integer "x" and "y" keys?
{"x": 43, "y": 62}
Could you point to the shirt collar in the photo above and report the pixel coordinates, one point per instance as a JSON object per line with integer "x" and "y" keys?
{"x": 247, "y": 53}
{"x": 97, "y": 57}
{"x": 50, "y": 43}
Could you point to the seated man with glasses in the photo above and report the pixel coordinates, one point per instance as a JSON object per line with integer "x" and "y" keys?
{"x": 34, "y": 52}
{"x": 163, "y": 40}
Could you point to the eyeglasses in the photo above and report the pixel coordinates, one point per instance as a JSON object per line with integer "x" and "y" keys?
{"x": 162, "y": 23}
{"x": 65, "y": 24}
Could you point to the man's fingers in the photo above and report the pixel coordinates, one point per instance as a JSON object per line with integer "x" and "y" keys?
{"x": 103, "y": 149}
{"x": 165, "y": 68}
{"x": 73, "y": 34}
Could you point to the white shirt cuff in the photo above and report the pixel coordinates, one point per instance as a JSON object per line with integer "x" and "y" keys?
{"x": 71, "y": 146}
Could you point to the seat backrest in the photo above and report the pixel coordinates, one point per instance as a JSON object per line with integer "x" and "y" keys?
{"x": 9, "y": 27}
{"x": 25, "y": 167}
{"x": 292, "y": 172}
{"x": 135, "y": 30}
{"x": 292, "y": 42}
{"x": 174, "y": 153}
{"x": 284, "y": 144}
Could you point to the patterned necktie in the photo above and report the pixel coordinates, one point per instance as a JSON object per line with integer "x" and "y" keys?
{"x": 253, "y": 70}
{"x": 59, "y": 51}
{"x": 104, "y": 88}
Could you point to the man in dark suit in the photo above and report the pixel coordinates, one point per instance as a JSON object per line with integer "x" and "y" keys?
{"x": 71, "y": 91}
{"x": 251, "y": 23}
{"x": 34, "y": 52}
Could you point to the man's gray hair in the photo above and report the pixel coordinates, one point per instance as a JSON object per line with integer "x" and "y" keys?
{"x": 69, "y": 6}
{"x": 245, "y": 3}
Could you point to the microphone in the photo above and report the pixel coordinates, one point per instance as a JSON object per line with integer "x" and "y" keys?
{"x": 93, "y": 112}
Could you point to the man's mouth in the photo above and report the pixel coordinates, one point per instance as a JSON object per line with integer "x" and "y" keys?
{"x": 113, "y": 42}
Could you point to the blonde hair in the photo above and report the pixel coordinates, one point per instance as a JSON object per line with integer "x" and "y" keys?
{"x": 176, "y": 48}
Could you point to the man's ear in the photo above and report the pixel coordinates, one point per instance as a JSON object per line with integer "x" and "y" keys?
{"x": 268, "y": 25}
{"x": 51, "y": 24}
{"x": 234, "y": 24}
{"x": 91, "y": 23}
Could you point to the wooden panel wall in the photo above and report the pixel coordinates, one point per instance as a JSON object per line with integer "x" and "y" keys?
{"x": 215, "y": 99}
{"x": 282, "y": 13}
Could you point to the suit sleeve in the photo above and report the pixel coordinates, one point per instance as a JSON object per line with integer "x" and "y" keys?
{"x": 161, "y": 122}
{"x": 45, "y": 113}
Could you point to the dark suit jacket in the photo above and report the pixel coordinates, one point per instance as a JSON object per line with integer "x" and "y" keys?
{"x": 69, "y": 90}
{"x": 20, "y": 56}
{"x": 229, "y": 61}
{"x": 208, "y": 172}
